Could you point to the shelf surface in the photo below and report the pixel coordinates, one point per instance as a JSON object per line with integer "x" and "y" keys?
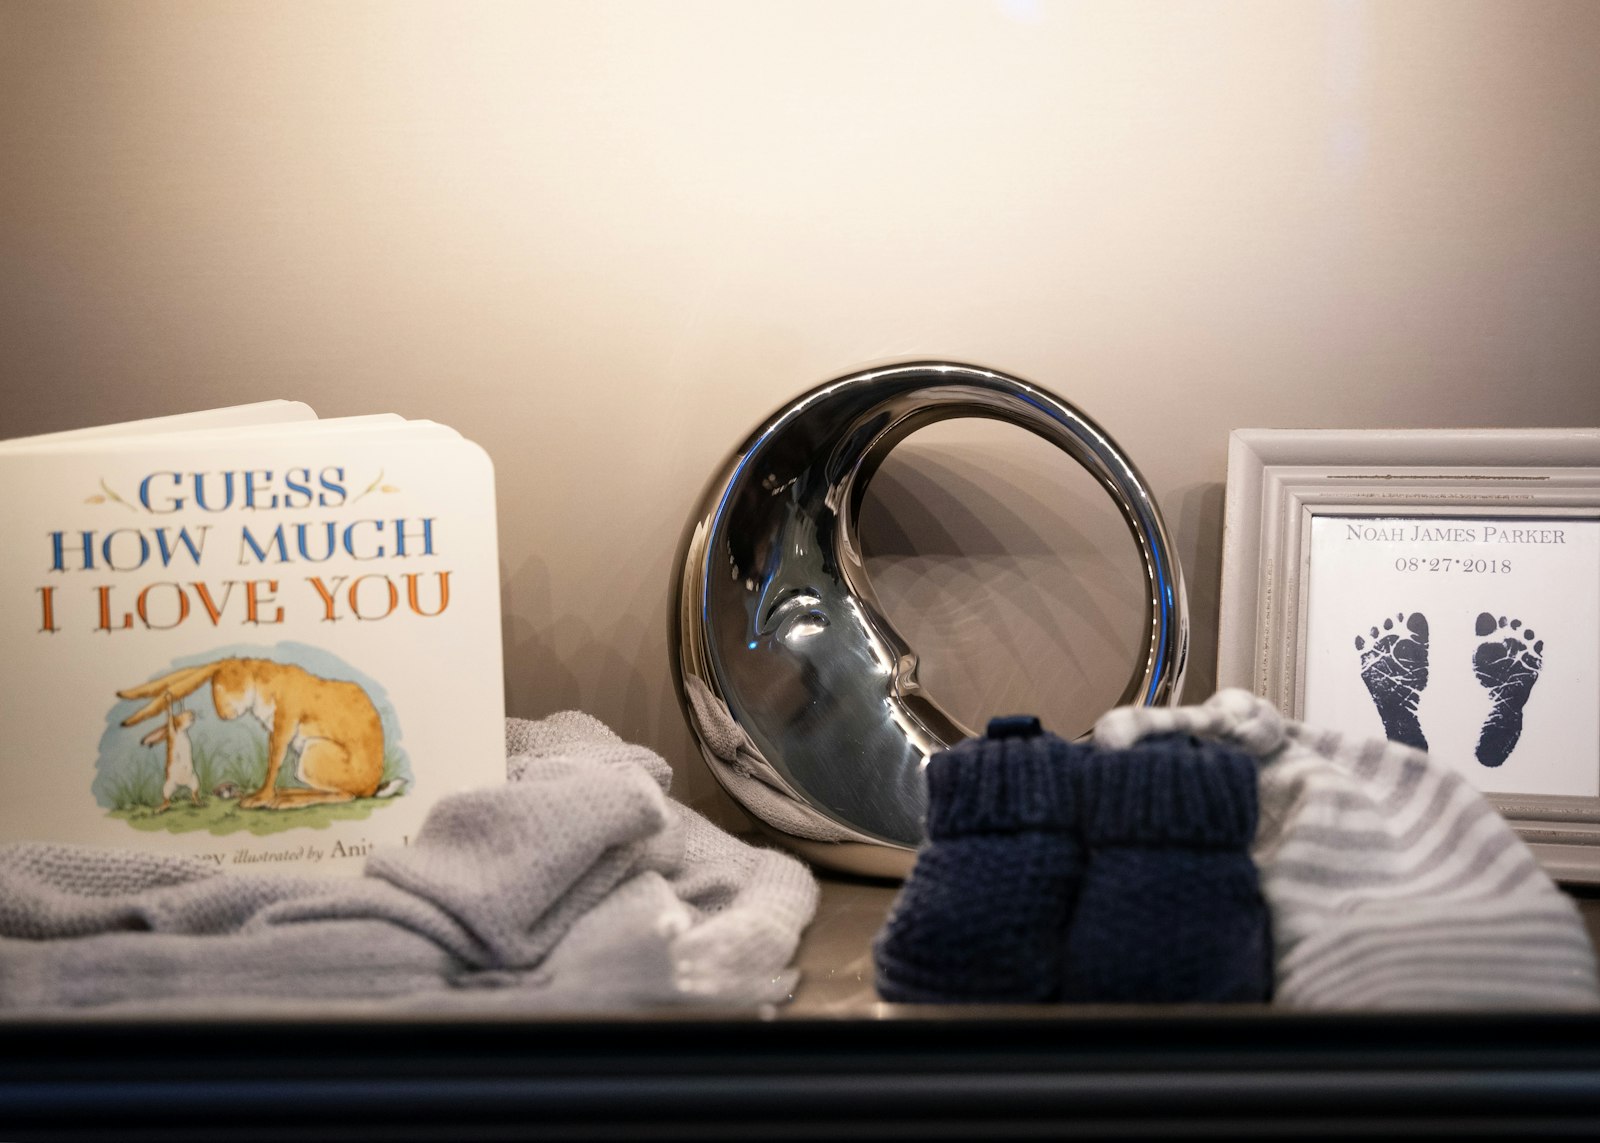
{"x": 835, "y": 1063}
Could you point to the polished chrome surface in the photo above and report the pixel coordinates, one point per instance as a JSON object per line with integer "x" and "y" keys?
{"x": 803, "y": 697}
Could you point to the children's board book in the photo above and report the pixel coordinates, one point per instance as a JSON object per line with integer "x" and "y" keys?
{"x": 247, "y": 635}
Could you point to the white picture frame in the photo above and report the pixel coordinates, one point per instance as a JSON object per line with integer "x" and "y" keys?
{"x": 1319, "y": 520}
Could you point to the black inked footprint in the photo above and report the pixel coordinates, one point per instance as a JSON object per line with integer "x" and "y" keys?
{"x": 1395, "y": 669}
{"x": 1507, "y": 668}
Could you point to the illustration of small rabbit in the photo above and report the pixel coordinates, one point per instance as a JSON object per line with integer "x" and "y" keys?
{"x": 180, "y": 753}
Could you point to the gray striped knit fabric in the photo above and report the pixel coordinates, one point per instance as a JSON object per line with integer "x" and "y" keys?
{"x": 1392, "y": 882}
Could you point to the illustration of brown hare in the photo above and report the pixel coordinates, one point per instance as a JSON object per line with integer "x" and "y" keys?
{"x": 180, "y": 754}
{"x": 332, "y": 723}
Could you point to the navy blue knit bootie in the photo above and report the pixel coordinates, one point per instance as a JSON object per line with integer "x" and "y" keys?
{"x": 984, "y": 913}
{"x": 1171, "y": 908}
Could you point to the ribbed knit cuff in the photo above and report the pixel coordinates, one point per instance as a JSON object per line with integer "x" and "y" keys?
{"x": 1002, "y": 785}
{"x": 1170, "y": 789}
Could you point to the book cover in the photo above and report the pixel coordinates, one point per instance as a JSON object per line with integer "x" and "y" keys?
{"x": 262, "y": 640}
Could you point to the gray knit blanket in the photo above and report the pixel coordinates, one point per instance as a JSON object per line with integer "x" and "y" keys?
{"x": 579, "y": 886}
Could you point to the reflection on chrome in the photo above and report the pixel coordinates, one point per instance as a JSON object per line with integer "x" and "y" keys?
{"x": 802, "y": 696}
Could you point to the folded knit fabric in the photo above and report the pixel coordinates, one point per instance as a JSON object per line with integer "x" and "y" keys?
{"x": 983, "y": 915}
{"x": 1170, "y": 910}
{"x": 578, "y": 886}
{"x": 1391, "y": 882}
{"x": 1058, "y": 871}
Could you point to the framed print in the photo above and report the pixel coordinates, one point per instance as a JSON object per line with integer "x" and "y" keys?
{"x": 1434, "y": 587}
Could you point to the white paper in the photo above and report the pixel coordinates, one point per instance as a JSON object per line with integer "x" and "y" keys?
{"x": 1512, "y": 612}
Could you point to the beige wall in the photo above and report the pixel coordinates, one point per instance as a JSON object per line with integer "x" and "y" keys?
{"x": 603, "y": 239}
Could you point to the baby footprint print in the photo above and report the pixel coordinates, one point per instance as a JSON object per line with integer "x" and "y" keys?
{"x": 1507, "y": 664}
{"x": 1395, "y": 669}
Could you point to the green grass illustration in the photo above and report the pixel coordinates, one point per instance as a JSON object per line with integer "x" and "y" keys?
{"x": 134, "y": 786}
{"x": 138, "y": 784}
{"x": 135, "y": 792}
{"x": 244, "y": 768}
{"x": 223, "y": 816}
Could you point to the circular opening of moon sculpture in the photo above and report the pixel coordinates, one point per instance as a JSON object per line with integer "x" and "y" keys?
{"x": 1009, "y": 570}
{"x": 804, "y": 697}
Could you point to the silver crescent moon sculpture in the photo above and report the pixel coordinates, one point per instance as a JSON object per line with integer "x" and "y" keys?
{"x": 803, "y": 698}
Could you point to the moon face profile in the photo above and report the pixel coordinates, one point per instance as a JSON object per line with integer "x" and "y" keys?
{"x": 802, "y": 696}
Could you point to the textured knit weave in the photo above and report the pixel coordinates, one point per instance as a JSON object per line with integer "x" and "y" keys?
{"x": 1170, "y": 909}
{"x": 983, "y": 914}
{"x": 1392, "y": 883}
{"x": 578, "y": 886}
